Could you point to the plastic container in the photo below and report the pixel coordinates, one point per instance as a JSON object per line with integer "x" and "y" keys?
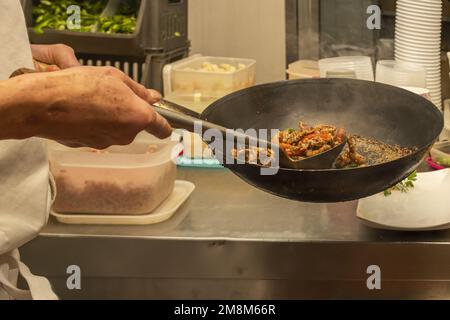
{"x": 341, "y": 73}
{"x": 303, "y": 69}
{"x": 161, "y": 25}
{"x": 361, "y": 65}
{"x": 440, "y": 153}
{"x": 186, "y": 76}
{"x": 121, "y": 180}
{"x": 401, "y": 74}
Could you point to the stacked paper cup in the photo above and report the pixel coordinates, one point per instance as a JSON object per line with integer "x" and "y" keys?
{"x": 418, "y": 39}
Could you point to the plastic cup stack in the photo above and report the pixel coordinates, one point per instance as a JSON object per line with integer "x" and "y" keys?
{"x": 418, "y": 28}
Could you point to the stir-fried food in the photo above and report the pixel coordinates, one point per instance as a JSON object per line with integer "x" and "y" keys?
{"x": 350, "y": 157}
{"x": 309, "y": 141}
{"x": 259, "y": 156}
{"x": 362, "y": 151}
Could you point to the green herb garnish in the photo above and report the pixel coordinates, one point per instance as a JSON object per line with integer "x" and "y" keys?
{"x": 403, "y": 186}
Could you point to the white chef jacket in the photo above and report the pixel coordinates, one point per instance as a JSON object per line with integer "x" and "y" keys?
{"x": 25, "y": 192}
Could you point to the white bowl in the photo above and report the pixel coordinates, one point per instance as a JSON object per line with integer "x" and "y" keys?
{"x": 425, "y": 17}
{"x": 418, "y": 41}
{"x": 406, "y": 22}
{"x": 429, "y": 16}
{"x": 414, "y": 44}
{"x": 431, "y": 10}
{"x": 408, "y": 4}
{"x": 422, "y": 47}
{"x": 403, "y": 5}
{"x": 430, "y": 37}
{"x": 418, "y": 58}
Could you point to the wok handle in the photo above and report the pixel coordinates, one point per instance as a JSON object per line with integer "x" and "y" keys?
{"x": 178, "y": 108}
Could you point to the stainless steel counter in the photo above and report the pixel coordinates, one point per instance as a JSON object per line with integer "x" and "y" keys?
{"x": 230, "y": 240}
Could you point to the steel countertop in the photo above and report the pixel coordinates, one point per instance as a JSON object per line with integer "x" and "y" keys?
{"x": 223, "y": 207}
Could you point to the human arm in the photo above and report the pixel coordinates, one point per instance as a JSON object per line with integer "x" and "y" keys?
{"x": 81, "y": 106}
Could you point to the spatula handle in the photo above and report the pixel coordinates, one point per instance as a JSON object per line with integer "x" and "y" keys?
{"x": 189, "y": 123}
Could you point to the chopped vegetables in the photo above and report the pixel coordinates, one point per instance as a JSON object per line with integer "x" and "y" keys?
{"x": 403, "y": 186}
{"x": 53, "y": 15}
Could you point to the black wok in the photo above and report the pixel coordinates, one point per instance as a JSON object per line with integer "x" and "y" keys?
{"x": 370, "y": 109}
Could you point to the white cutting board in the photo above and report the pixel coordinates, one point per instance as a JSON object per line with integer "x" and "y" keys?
{"x": 425, "y": 207}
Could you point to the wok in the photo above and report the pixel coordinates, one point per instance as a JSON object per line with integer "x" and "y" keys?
{"x": 389, "y": 114}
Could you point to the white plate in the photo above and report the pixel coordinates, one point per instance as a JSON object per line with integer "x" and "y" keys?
{"x": 425, "y": 207}
{"x": 181, "y": 192}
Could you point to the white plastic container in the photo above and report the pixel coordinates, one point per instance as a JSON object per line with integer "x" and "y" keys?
{"x": 360, "y": 65}
{"x": 190, "y": 76}
{"x": 401, "y": 74}
{"x": 121, "y": 180}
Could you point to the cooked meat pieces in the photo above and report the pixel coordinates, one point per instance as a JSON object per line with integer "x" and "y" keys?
{"x": 309, "y": 141}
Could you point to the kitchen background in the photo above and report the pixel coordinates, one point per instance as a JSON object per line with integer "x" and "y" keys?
{"x": 276, "y": 33}
{"x": 321, "y": 246}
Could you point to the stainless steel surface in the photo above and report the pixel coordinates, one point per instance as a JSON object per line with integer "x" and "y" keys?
{"x": 233, "y": 241}
{"x": 224, "y": 207}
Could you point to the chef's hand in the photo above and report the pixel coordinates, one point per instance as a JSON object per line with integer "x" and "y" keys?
{"x": 57, "y": 56}
{"x": 85, "y": 106}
